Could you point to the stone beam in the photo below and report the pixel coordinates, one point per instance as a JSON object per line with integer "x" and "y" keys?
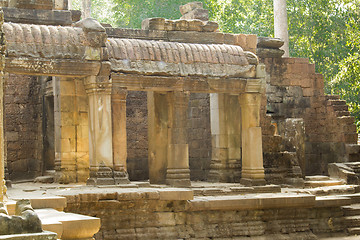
{"x": 37, "y": 16}
{"x": 46, "y": 67}
{"x": 134, "y": 82}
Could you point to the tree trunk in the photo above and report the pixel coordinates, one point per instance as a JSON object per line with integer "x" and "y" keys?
{"x": 281, "y": 25}
{"x": 86, "y": 9}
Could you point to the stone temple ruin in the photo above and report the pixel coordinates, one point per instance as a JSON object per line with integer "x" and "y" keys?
{"x": 174, "y": 131}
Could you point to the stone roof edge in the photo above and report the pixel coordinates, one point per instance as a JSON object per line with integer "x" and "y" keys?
{"x": 247, "y": 41}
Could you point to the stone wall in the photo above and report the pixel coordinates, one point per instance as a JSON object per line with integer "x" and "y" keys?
{"x": 137, "y": 132}
{"x": 23, "y": 126}
{"x": 294, "y": 90}
{"x": 199, "y": 136}
{"x": 138, "y": 215}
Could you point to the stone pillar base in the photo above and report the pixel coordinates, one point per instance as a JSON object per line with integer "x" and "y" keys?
{"x": 252, "y": 182}
{"x": 178, "y": 177}
{"x": 65, "y": 177}
{"x": 231, "y": 174}
{"x": 121, "y": 177}
{"x": 106, "y": 176}
{"x": 253, "y": 173}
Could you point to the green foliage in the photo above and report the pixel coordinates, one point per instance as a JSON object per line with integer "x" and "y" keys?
{"x": 130, "y": 13}
{"x": 317, "y": 30}
{"x": 100, "y": 9}
{"x": 240, "y": 16}
{"x": 347, "y": 84}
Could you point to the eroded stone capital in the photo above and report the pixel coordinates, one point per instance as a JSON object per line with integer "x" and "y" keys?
{"x": 98, "y": 84}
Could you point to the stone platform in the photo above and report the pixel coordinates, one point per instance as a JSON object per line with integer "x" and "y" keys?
{"x": 204, "y": 211}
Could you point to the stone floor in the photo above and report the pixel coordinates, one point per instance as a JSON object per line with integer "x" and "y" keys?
{"x": 217, "y": 193}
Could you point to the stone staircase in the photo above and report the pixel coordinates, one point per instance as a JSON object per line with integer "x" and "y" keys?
{"x": 352, "y": 218}
{"x": 344, "y": 121}
{"x": 339, "y": 106}
{"x": 326, "y": 186}
{"x": 347, "y": 197}
{"x": 65, "y": 225}
{"x": 321, "y": 181}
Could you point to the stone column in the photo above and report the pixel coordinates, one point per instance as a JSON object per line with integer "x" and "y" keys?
{"x": 178, "y": 172}
{"x": 281, "y": 24}
{"x": 2, "y": 146}
{"x": 71, "y": 130}
{"x": 98, "y": 89}
{"x": 226, "y": 138}
{"x": 252, "y": 154}
{"x": 2, "y": 150}
{"x": 157, "y": 136}
{"x": 118, "y": 105}
{"x": 168, "y": 146}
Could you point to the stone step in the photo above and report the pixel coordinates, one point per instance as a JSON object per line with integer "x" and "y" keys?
{"x": 352, "y": 221}
{"x": 332, "y": 97}
{"x": 68, "y": 225}
{"x": 336, "y": 102}
{"x": 315, "y": 184}
{"x": 340, "y": 107}
{"x": 355, "y": 197}
{"x": 55, "y": 202}
{"x": 44, "y": 179}
{"x": 346, "y": 119}
{"x": 351, "y": 210}
{"x": 317, "y": 178}
{"x": 332, "y": 201}
{"x": 341, "y": 190}
{"x": 50, "y": 173}
{"x": 45, "y": 235}
{"x": 235, "y": 190}
{"x": 353, "y": 231}
{"x": 342, "y": 113}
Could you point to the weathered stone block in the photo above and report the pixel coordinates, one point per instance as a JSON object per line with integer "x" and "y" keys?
{"x": 190, "y": 7}
{"x": 198, "y": 13}
{"x": 266, "y": 42}
{"x": 269, "y": 53}
{"x": 37, "y": 16}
